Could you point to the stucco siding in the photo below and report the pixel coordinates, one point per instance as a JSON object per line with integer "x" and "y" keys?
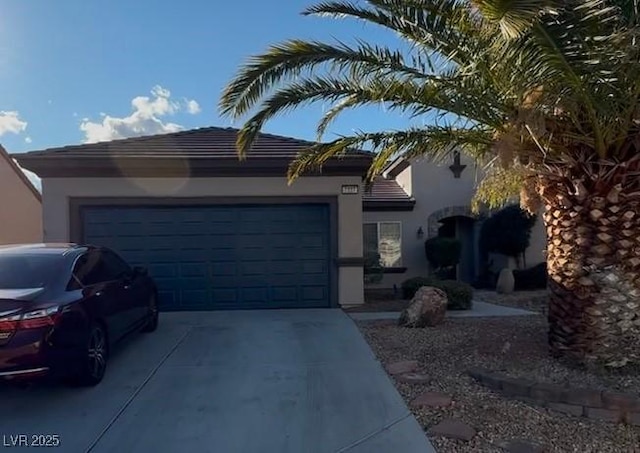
{"x": 404, "y": 180}
{"x": 434, "y": 188}
{"x": 58, "y": 191}
{"x": 438, "y": 194}
{"x": 20, "y": 210}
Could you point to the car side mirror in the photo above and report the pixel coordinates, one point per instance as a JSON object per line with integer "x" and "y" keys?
{"x": 140, "y": 270}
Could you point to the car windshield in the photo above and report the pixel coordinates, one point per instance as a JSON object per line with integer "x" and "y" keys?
{"x": 22, "y": 271}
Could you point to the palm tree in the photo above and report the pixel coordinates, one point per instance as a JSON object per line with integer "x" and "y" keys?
{"x": 544, "y": 93}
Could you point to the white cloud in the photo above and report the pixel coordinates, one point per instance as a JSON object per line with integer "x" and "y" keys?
{"x": 193, "y": 107}
{"x": 10, "y": 122}
{"x": 27, "y": 140}
{"x": 146, "y": 118}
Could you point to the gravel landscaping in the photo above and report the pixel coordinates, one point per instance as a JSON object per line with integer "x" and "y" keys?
{"x": 528, "y": 300}
{"x": 516, "y": 347}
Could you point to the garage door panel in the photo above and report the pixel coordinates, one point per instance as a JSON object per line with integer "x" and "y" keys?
{"x": 193, "y": 270}
{"x": 163, "y": 270}
{"x": 195, "y": 297}
{"x": 256, "y": 268}
{"x": 223, "y": 257}
{"x": 224, "y": 296}
{"x": 284, "y": 294}
{"x": 314, "y": 267}
{"x": 224, "y": 269}
{"x": 314, "y": 293}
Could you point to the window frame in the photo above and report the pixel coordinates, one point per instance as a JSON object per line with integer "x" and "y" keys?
{"x": 105, "y": 255}
{"x": 75, "y": 282}
{"x": 377, "y": 224}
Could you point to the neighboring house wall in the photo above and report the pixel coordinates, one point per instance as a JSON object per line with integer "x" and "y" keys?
{"x": 438, "y": 195}
{"x": 58, "y": 191}
{"x": 20, "y": 206}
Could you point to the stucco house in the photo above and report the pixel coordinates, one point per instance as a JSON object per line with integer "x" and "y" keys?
{"x": 416, "y": 200}
{"x": 218, "y": 233}
{"x": 214, "y": 232}
{"x": 20, "y": 204}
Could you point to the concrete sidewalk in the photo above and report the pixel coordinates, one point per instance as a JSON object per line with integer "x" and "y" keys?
{"x": 479, "y": 310}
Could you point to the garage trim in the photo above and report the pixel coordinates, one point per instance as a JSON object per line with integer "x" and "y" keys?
{"x": 76, "y": 204}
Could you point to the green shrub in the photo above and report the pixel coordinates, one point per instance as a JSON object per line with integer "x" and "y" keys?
{"x": 411, "y": 286}
{"x": 459, "y": 294}
{"x": 442, "y": 252}
{"x": 532, "y": 278}
{"x": 508, "y": 232}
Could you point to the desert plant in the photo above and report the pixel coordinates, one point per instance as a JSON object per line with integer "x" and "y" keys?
{"x": 459, "y": 294}
{"x": 442, "y": 252}
{"x": 508, "y": 231}
{"x": 544, "y": 93}
{"x": 411, "y": 286}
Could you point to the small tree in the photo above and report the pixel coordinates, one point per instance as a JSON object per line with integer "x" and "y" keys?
{"x": 443, "y": 255}
{"x": 508, "y": 232}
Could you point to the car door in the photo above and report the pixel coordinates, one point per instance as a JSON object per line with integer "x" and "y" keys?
{"x": 103, "y": 293}
{"x": 133, "y": 291}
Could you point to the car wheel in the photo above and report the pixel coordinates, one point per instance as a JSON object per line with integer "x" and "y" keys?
{"x": 152, "y": 322}
{"x": 94, "y": 362}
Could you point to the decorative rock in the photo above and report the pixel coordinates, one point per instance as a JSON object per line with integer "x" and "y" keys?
{"x": 453, "y": 429}
{"x": 413, "y": 378}
{"x": 406, "y": 366}
{"x": 506, "y": 282}
{"x": 431, "y": 399}
{"x": 521, "y": 446}
{"x": 427, "y": 308}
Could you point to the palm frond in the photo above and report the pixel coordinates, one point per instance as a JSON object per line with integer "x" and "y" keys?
{"x": 551, "y": 76}
{"x": 287, "y": 61}
{"x": 434, "y": 142}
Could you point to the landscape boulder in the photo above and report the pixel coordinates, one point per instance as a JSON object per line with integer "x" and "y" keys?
{"x": 427, "y": 308}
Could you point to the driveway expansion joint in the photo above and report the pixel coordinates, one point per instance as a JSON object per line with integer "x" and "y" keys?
{"x": 114, "y": 419}
{"x": 375, "y": 433}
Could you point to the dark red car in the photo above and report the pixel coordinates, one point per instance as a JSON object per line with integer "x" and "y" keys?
{"x": 63, "y": 306}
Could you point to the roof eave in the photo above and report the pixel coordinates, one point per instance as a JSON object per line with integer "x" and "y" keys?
{"x": 60, "y": 167}
{"x": 396, "y": 167}
{"x": 388, "y": 205}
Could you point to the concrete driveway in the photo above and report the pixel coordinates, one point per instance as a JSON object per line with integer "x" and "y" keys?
{"x": 245, "y": 381}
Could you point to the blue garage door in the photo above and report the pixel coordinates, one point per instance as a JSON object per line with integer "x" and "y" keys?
{"x": 223, "y": 257}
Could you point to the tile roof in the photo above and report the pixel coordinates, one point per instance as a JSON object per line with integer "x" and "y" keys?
{"x": 204, "y": 152}
{"x": 386, "y": 194}
{"x": 385, "y": 189}
{"x": 207, "y": 142}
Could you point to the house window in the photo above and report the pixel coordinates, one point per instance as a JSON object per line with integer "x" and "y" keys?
{"x": 385, "y": 239}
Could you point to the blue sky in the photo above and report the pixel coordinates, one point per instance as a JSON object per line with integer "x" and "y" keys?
{"x": 74, "y": 71}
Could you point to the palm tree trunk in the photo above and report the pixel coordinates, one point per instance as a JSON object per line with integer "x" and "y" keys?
{"x": 593, "y": 259}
